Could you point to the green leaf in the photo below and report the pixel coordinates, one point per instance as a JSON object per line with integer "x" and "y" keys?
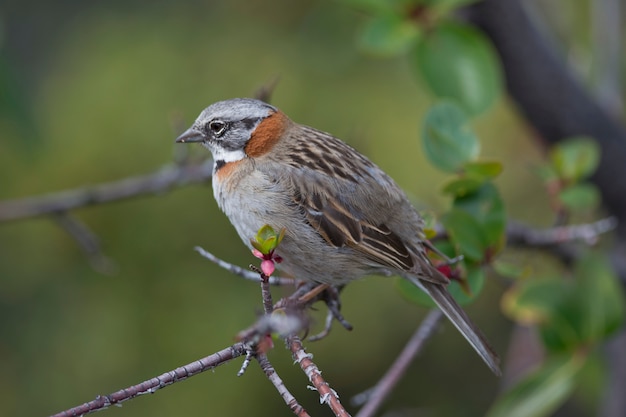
{"x": 256, "y": 245}
{"x": 265, "y": 232}
{"x": 448, "y": 143}
{"x": 266, "y": 239}
{"x": 532, "y": 302}
{"x": 475, "y": 277}
{"x": 510, "y": 270}
{"x": 457, "y": 61}
{"x": 487, "y": 207}
{"x": 580, "y": 197}
{"x": 375, "y": 7}
{"x": 466, "y": 233}
{"x": 601, "y": 297}
{"x": 553, "y": 305}
{"x": 542, "y": 392}
{"x": 381, "y": 7}
{"x": 474, "y": 175}
{"x": 451, "y": 4}
{"x": 460, "y": 187}
{"x": 546, "y": 172}
{"x": 483, "y": 169}
{"x": 571, "y": 314}
{"x": 388, "y": 35}
{"x": 576, "y": 158}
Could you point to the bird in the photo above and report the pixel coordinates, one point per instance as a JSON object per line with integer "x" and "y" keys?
{"x": 343, "y": 216}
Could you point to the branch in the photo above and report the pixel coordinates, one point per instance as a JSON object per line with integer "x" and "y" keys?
{"x": 157, "y": 182}
{"x": 326, "y": 393}
{"x": 271, "y": 374}
{"x": 239, "y": 271}
{"x": 152, "y": 385}
{"x": 381, "y": 391}
{"x": 87, "y": 241}
{"x": 589, "y": 233}
{"x": 282, "y": 324}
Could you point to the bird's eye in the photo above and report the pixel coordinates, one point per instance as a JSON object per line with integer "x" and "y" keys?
{"x": 217, "y": 127}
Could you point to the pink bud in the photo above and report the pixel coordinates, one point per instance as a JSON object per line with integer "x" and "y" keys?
{"x": 257, "y": 254}
{"x": 267, "y": 267}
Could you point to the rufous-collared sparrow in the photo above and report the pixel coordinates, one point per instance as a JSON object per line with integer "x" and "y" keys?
{"x": 343, "y": 216}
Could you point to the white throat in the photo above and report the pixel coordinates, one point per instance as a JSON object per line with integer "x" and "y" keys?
{"x": 225, "y": 155}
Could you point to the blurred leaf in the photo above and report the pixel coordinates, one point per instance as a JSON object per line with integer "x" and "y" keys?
{"x": 576, "y": 158}
{"x": 486, "y": 206}
{"x": 473, "y": 176}
{"x": 374, "y": 7}
{"x": 601, "y": 297}
{"x": 541, "y": 392}
{"x": 457, "y": 61}
{"x": 14, "y": 105}
{"x": 570, "y": 314}
{"x": 510, "y": 270}
{"x": 380, "y": 7}
{"x": 553, "y": 305}
{"x": 460, "y": 187}
{"x": 388, "y": 35}
{"x": 447, "y": 142}
{"x": 466, "y": 233}
{"x": 474, "y": 278}
{"x": 451, "y": 4}
{"x": 483, "y": 169}
{"x": 546, "y": 172}
{"x": 580, "y": 197}
{"x": 532, "y": 302}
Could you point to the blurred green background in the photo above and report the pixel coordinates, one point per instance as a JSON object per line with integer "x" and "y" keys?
{"x": 94, "y": 92}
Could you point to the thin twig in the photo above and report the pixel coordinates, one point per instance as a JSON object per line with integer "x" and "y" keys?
{"x": 157, "y": 182}
{"x": 382, "y": 389}
{"x": 588, "y": 233}
{"x": 278, "y": 383}
{"x": 250, "y": 354}
{"x": 152, "y": 385}
{"x": 244, "y": 273}
{"x": 326, "y": 393}
{"x": 266, "y": 294}
{"x": 87, "y": 241}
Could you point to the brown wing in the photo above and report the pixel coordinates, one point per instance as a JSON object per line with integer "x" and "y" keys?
{"x": 339, "y": 227}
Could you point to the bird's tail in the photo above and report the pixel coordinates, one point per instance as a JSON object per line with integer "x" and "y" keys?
{"x": 461, "y": 321}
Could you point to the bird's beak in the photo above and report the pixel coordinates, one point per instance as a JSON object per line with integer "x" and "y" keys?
{"x": 190, "y": 135}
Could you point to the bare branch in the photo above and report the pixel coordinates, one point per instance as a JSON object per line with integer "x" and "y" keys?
{"x": 63, "y": 201}
{"x": 271, "y": 374}
{"x": 244, "y": 273}
{"x": 266, "y": 294}
{"x": 326, "y": 393}
{"x": 587, "y": 233}
{"x": 87, "y": 241}
{"x": 379, "y": 393}
{"x": 152, "y": 385}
